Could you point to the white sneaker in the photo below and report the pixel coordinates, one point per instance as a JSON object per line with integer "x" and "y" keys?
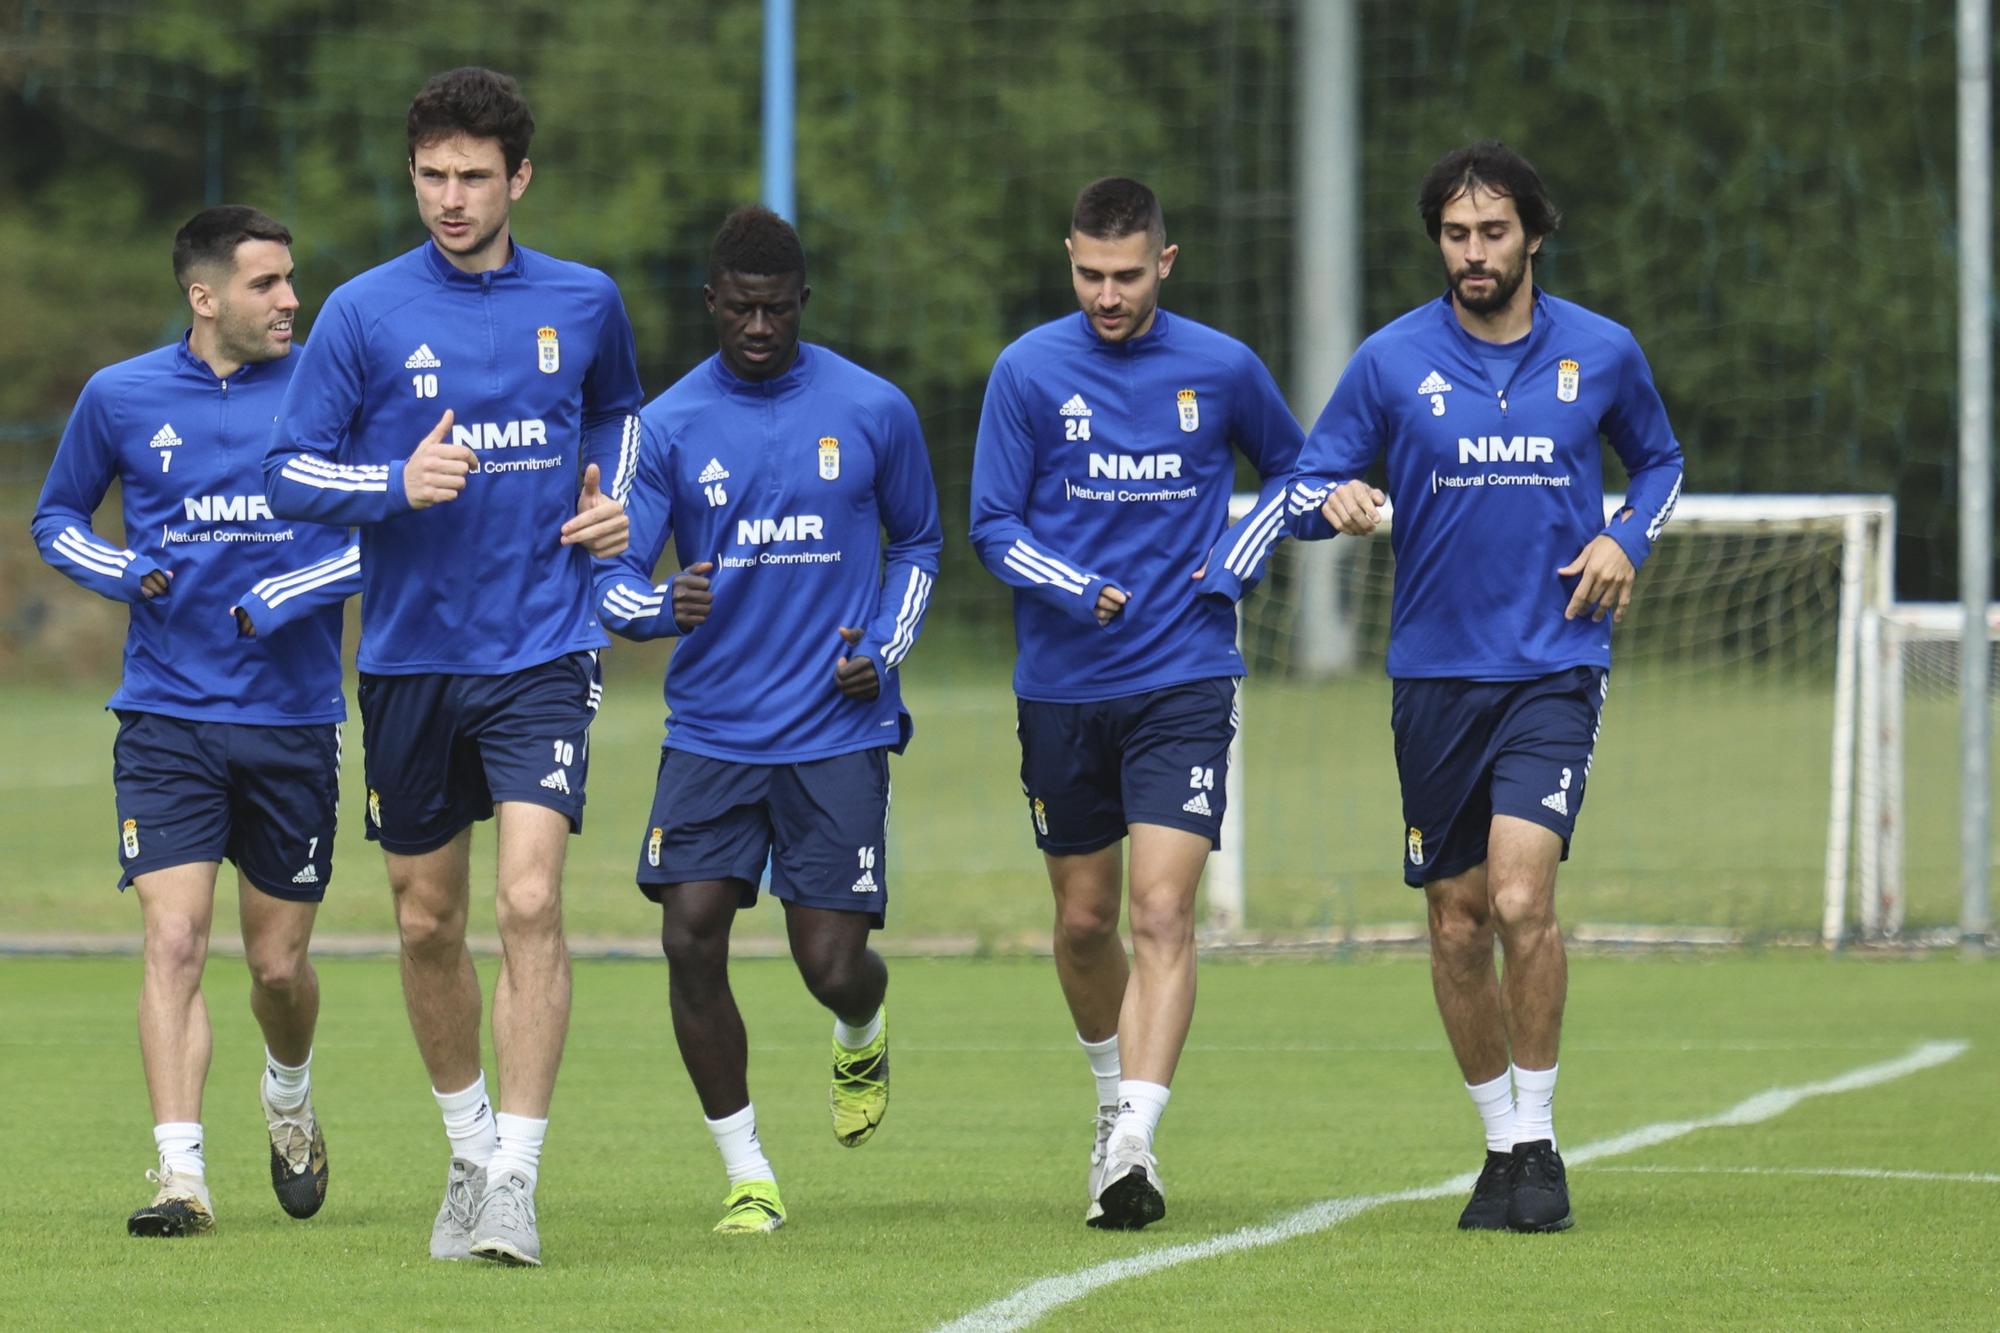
{"x": 1132, "y": 1195}
{"x": 451, "y": 1234}
{"x": 505, "y": 1230}
{"x": 1107, "y": 1116}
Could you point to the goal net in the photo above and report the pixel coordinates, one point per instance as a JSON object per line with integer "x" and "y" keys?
{"x": 1920, "y": 891}
{"x": 1739, "y": 733}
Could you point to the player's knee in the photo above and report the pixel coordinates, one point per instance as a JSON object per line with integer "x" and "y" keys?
{"x": 1520, "y": 904}
{"x": 841, "y": 978}
{"x": 1461, "y": 936}
{"x": 279, "y": 970}
{"x": 1085, "y": 923}
{"x": 1162, "y": 920}
{"x": 831, "y": 980}
{"x": 426, "y": 931}
{"x": 529, "y": 909}
{"x": 692, "y": 946}
{"x": 176, "y": 945}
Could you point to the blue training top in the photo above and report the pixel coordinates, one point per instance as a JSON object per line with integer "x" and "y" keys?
{"x": 187, "y": 450}
{"x": 1102, "y": 463}
{"x": 786, "y": 485}
{"x": 535, "y": 361}
{"x": 1497, "y": 481}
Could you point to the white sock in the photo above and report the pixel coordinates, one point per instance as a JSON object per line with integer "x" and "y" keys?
{"x": 1103, "y": 1057}
{"x": 1139, "y": 1107}
{"x": 736, "y": 1139}
{"x": 179, "y": 1142}
{"x": 1495, "y": 1100}
{"x": 468, "y": 1122}
{"x": 855, "y": 1039}
{"x": 286, "y": 1086}
{"x": 1534, "y": 1104}
{"x": 520, "y": 1147}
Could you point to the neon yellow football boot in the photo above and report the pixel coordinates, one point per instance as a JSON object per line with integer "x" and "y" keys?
{"x": 859, "y": 1097}
{"x": 752, "y": 1207}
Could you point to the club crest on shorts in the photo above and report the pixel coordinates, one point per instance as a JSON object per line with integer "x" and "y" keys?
{"x": 653, "y": 847}
{"x": 1569, "y": 376}
{"x": 548, "y": 353}
{"x": 829, "y": 458}
{"x": 1416, "y": 845}
{"x": 1190, "y": 413}
{"x": 375, "y": 807}
{"x": 1041, "y": 817}
{"x": 130, "y": 830}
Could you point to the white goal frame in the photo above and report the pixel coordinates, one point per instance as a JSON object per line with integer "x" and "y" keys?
{"x": 1867, "y": 528}
{"x": 1903, "y": 623}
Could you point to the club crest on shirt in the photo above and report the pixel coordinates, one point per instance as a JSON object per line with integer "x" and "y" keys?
{"x": 1190, "y": 413}
{"x": 548, "y": 353}
{"x": 1416, "y": 843}
{"x": 829, "y": 458}
{"x": 1569, "y": 376}
{"x": 131, "y": 832}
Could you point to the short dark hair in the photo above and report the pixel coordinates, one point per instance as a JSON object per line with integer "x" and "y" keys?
{"x": 756, "y": 241}
{"x": 212, "y": 235}
{"x": 476, "y": 102}
{"x": 1114, "y": 207}
{"x": 1493, "y": 166}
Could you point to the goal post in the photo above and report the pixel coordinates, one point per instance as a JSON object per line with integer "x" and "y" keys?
{"x": 1794, "y": 589}
{"x": 1918, "y": 648}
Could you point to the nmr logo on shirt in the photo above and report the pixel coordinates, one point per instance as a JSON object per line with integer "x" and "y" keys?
{"x": 501, "y": 434}
{"x": 226, "y": 508}
{"x": 1507, "y": 449}
{"x": 1142, "y": 467}
{"x": 790, "y": 528}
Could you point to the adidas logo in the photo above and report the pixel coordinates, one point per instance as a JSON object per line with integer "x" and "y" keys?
{"x": 1198, "y": 804}
{"x": 310, "y": 875}
{"x": 423, "y": 359}
{"x": 1433, "y": 383}
{"x": 867, "y": 884}
{"x": 558, "y": 781}
{"x": 1075, "y": 407}
{"x": 164, "y": 438}
{"x": 713, "y": 472}
{"x": 1558, "y": 801}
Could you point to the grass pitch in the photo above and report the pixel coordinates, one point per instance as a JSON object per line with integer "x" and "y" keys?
{"x": 1303, "y": 1081}
{"x": 1707, "y": 806}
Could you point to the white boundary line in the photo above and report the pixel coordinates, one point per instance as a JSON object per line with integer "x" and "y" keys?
{"x": 1039, "y": 1298}
{"x": 1847, "y": 1172}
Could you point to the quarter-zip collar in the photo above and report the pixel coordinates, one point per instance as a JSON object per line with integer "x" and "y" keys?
{"x": 451, "y": 275}
{"x": 796, "y": 377}
{"x": 1156, "y": 336}
{"x": 187, "y": 363}
{"x": 1542, "y": 317}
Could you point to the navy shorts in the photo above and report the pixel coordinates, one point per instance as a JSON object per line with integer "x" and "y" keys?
{"x": 439, "y": 750}
{"x": 1090, "y": 770}
{"x": 263, "y": 797}
{"x": 823, "y": 825}
{"x": 1468, "y": 750}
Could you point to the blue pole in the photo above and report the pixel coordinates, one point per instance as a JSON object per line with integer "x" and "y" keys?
{"x": 778, "y": 109}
